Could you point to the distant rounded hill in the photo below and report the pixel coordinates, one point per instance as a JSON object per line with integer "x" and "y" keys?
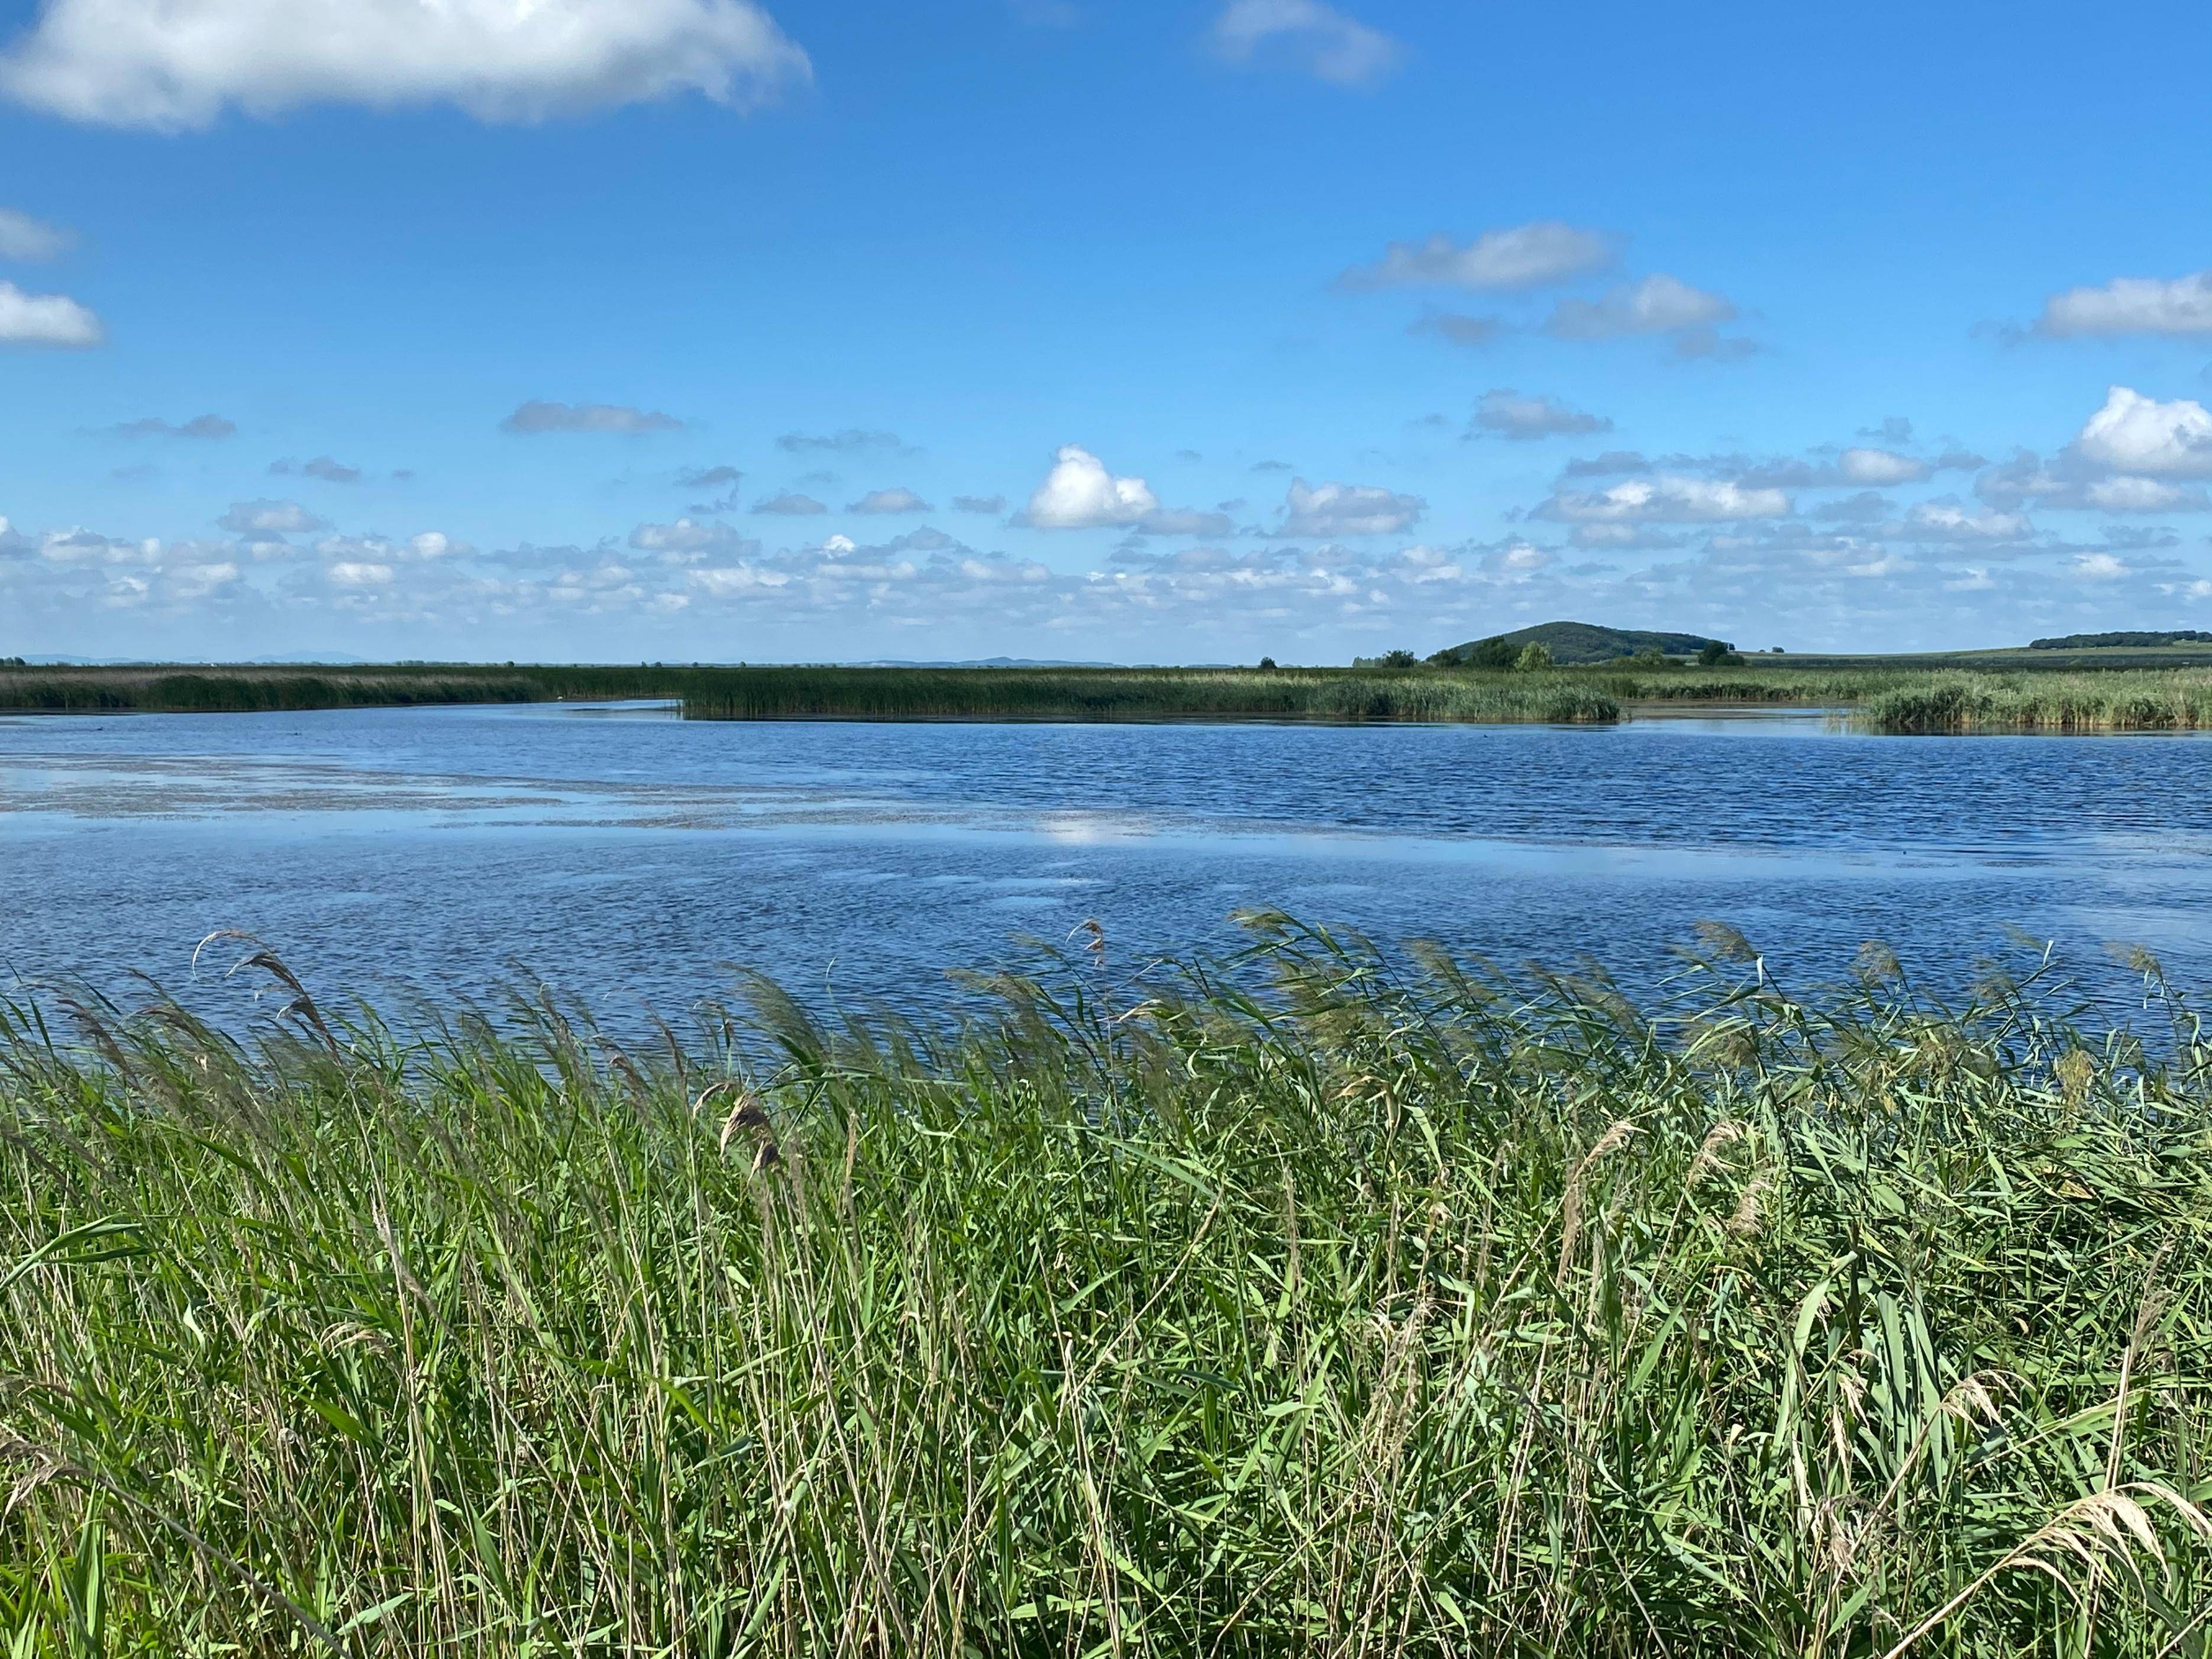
{"x": 2106, "y": 642}
{"x": 1577, "y": 643}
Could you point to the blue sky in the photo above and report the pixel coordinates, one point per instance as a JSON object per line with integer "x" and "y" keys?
{"x": 1147, "y": 332}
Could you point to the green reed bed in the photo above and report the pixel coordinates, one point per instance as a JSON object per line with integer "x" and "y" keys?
{"x": 1145, "y": 694}
{"x": 2168, "y": 700}
{"x": 232, "y": 690}
{"x": 829, "y": 693}
{"x": 1880, "y": 698}
{"x": 1379, "y": 1313}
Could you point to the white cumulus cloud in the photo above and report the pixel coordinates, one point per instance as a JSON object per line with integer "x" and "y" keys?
{"x": 1080, "y": 494}
{"x": 180, "y": 64}
{"x": 1318, "y": 38}
{"x": 46, "y": 319}
{"x": 2135, "y": 434}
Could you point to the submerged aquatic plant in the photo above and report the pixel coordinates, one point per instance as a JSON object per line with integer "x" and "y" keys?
{"x": 1314, "y": 1303}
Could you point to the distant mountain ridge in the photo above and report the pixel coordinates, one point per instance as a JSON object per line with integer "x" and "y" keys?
{"x": 1583, "y": 642}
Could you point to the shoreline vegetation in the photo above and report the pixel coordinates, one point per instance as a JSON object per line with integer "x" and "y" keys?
{"x": 1316, "y": 1303}
{"x": 1885, "y": 696}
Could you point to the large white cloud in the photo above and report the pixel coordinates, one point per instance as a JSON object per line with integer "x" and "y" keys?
{"x": 1080, "y": 494}
{"x": 2131, "y": 305}
{"x": 2135, "y": 434}
{"x": 46, "y": 319}
{"x": 175, "y": 64}
{"x": 1516, "y": 257}
{"x": 1319, "y": 38}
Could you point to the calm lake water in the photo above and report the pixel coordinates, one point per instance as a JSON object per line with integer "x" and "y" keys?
{"x": 627, "y": 855}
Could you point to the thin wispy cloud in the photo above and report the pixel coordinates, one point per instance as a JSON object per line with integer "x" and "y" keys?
{"x": 1458, "y": 328}
{"x": 205, "y": 428}
{"x": 851, "y": 440}
{"x": 1512, "y": 259}
{"x": 1341, "y": 509}
{"x": 327, "y": 468}
{"x": 709, "y": 477}
{"x": 23, "y": 238}
{"x": 889, "y": 500}
{"x": 1322, "y": 41}
{"x": 1506, "y": 413}
{"x": 790, "y": 503}
{"x": 537, "y": 417}
{"x": 1657, "y": 304}
{"x": 270, "y": 519}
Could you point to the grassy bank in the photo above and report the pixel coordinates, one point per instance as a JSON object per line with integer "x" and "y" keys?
{"x": 1882, "y": 698}
{"x": 1377, "y": 1317}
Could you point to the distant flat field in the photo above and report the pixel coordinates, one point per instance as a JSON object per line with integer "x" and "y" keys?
{"x": 2013, "y": 657}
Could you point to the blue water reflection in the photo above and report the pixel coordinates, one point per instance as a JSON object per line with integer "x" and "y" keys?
{"x": 629, "y": 855}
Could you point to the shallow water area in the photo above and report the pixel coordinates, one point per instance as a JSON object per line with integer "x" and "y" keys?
{"x": 628, "y": 855}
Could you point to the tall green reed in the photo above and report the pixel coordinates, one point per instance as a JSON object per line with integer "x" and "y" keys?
{"x": 1319, "y": 1304}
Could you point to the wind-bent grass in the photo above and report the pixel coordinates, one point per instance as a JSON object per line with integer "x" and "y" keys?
{"x": 1881, "y": 698}
{"x": 1372, "y": 1315}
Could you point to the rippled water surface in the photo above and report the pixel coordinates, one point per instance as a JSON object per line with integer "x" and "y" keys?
{"x": 628, "y": 855}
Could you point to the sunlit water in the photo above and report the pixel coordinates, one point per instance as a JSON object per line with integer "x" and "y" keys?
{"x": 628, "y": 856}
